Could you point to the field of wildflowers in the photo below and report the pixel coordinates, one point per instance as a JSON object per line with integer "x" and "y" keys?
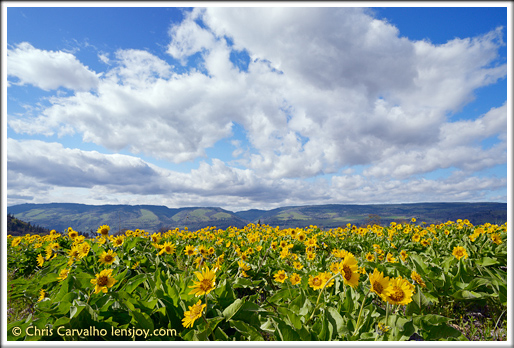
{"x": 398, "y": 282}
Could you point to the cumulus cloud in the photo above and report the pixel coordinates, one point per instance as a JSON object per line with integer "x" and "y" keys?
{"x": 49, "y": 69}
{"x": 50, "y": 168}
{"x": 325, "y": 89}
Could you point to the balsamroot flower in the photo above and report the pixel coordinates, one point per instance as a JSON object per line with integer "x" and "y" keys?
{"x": 459, "y": 252}
{"x": 194, "y": 312}
{"x": 295, "y": 279}
{"x": 280, "y": 276}
{"x": 350, "y": 270}
{"x": 400, "y": 291}
{"x": 379, "y": 284}
{"x": 168, "y": 248}
{"x": 107, "y": 258}
{"x": 103, "y": 230}
{"x": 103, "y": 281}
{"x": 206, "y": 282}
{"x": 417, "y": 278}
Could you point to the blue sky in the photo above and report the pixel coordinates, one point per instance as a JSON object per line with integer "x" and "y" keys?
{"x": 261, "y": 107}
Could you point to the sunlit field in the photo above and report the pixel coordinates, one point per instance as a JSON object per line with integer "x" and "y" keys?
{"x": 408, "y": 281}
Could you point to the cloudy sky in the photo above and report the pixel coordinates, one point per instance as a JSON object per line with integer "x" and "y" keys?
{"x": 255, "y": 107}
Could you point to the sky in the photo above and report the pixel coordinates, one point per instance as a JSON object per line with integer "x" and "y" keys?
{"x": 245, "y": 107}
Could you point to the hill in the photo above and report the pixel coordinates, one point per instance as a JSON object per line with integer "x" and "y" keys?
{"x": 17, "y": 227}
{"x": 335, "y": 215}
{"x": 152, "y": 218}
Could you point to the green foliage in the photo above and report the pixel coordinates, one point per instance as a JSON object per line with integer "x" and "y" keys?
{"x": 149, "y": 296}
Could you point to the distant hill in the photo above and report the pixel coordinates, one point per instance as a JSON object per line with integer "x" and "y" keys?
{"x": 335, "y": 215}
{"x": 17, "y": 227}
{"x": 152, "y": 218}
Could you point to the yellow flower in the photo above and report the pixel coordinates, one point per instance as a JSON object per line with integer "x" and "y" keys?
{"x": 400, "y": 291}
{"x": 40, "y": 260}
{"x": 297, "y": 265}
{"x": 316, "y": 282}
{"x": 63, "y": 274}
{"x": 416, "y": 237}
{"x": 334, "y": 267}
{"x": 103, "y": 281}
{"x": 168, "y": 248}
{"x": 190, "y": 250}
{"x": 203, "y": 250}
{"x": 118, "y": 240}
{"x": 495, "y": 237}
{"x": 156, "y": 238}
{"x": 379, "y": 284}
{"x": 103, "y": 230}
{"x": 42, "y": 295}
{"x": 382, "y": 329}
{"x": 84, "y": 249}
{"x": 295, "y": 279}
{"x": 243, "y": 274}
{"x": 339, "y": 253}
{"x": 417, "y": 278}
{"x": 390, "y": 258}
{"x": 403, "y": 255}
{"x": 326, "y": 277}
{"x": 370, "y": 257}
{"x": 350, "y": 270}
{"x": 74, "y": 253}
{"x": 192, "y": 314}
{"x": 284, "y": 253}
{"x": 107, "y": 258}
{"x": 311, "y": 242}
{"x": 134, "y": 266}
{"x": 243, "y": 265}
{"x": 280, "y": 276}
{"x": 459, "y": 252}
{"x": 72, "y": 234}
{"x": 311, "y": 256}
{"x": 206, "y": 282}
{"x": 49, "y": 253}
{"x": 16, "y": 241}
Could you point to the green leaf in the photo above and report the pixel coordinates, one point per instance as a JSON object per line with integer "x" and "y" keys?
{"x": 242, "y": 283}
{"x": 220, "y": 335}
{"x": 337, "y": 321}
{"x": 281, "y": 294}
{"x": 486, "y": 261}
{"x": 142, "y": 320}
{"x": 294, "y": 319}
{"x": 49, "y": 278}
{"x": 231, "y": 310}
{"x": 246, "y": 330}
{"x": 467, "y": 295}
{"x": 285, "y": 332}
{"x": 134, "y": 282}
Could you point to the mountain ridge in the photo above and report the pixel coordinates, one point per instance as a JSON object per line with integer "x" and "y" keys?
{"x": 152, "y": 218}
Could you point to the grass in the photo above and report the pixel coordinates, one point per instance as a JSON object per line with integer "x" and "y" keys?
{"x": 18, "y": 307}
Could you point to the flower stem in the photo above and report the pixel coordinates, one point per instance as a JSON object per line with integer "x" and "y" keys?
{"x": 321, "y": 291}
{"x": 360, "y": 313}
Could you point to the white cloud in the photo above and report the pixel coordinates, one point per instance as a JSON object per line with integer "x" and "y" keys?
{"x": 48, "y": 69}
{"x": 326, "y": 89}
{"x": 38, "y": 170}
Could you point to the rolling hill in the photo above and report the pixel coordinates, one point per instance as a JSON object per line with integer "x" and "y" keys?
{"x": 151, "y": 218}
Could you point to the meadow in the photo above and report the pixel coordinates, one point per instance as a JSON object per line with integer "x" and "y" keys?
{"x": 410, "y": 281}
